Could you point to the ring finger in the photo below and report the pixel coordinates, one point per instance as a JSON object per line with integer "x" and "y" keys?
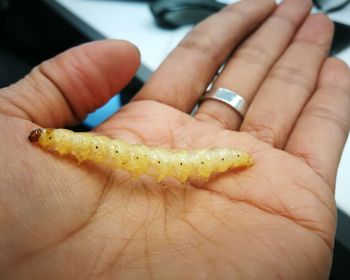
{"x": 183, "y": 77}
{"x": 248, "y": 67}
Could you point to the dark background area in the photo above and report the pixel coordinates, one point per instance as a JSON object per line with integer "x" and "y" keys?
{"x": 31, "y": 32}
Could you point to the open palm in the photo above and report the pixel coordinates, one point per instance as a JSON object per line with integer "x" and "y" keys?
{"x": 274, "y": 220}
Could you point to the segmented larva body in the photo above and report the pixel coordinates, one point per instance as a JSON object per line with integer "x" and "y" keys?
{"x": 141, "y": 159}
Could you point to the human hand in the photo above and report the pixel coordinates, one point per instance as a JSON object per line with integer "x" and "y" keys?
{"x": 274, "y": 220}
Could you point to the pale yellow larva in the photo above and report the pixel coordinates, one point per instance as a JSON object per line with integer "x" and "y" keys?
{"x": 141, "y": 159}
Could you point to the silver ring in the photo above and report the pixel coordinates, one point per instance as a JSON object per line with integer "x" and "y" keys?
{"x": 230, "y": 98}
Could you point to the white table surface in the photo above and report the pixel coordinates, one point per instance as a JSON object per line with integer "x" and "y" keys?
{"x": 133, "y": 21}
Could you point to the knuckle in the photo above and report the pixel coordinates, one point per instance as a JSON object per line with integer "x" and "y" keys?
{"x": 325, "y": 114}
{"x": 255, "y": 54}
{"x": 267, "y": 134}
{"x": 292, "y": 75}
{"x": 202, "y": 38}
{"x": 235, "y": 11}
{"x": 286, "y": 21}
{"x": 200, "y": 42}
{"x": 218, "y": 120}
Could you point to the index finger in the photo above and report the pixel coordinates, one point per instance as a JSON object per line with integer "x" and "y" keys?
{"x": 185, "y": 74}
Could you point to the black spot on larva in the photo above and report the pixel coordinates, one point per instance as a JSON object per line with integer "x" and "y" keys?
{"x": 180, "y": 163}
{"x": 159, "y": 161}
{"x": 202, "y": 162}
{"x": 137, "y": 157}
{"x": 96, "y": 147}
{"x": 222, "y": 159}
{"x": 116, "y": 152}
{"x": 237, "y": 155}
{"x": 50, "y": 138}
{"x": 124, "y": 163}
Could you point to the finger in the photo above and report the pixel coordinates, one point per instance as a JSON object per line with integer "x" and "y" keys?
{"x": 321, "y": 131}
{"x": 63, "y": 90}
{"x": 249, "y": 65}
{"x": 185, "y": 74}
{"x": 288, "y": 86}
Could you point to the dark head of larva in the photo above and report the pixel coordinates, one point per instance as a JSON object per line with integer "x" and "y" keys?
{"x": 35, "y": 135}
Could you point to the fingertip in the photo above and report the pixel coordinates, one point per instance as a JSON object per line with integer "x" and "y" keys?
{"x": 305, "y": 3}
{"x": 334, "y": 62}
{"x": 335, "y": 73}
{"x": 317, "y": 29}
{"x": 293, "y": 11}
{"x": 119, "y": 48}
{"x": 321, "y": 19}
{"x": 129, "y": 46}
{"x": 135, "y": 48}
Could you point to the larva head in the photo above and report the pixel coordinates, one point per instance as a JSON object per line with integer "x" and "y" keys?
{"x": 35, "y": 135}
{"x": 43, "y": 136}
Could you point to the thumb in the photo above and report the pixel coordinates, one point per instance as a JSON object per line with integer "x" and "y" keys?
{"x": 63, "y": 90}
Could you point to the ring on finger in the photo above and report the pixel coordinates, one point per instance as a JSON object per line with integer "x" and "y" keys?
{"x": 229, "y": 97}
